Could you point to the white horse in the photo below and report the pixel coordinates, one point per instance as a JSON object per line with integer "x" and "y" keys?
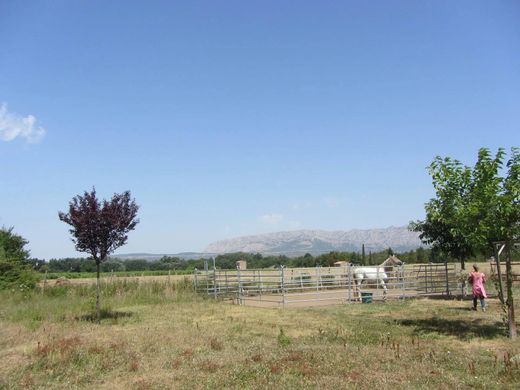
{"x": 378, "y": 274}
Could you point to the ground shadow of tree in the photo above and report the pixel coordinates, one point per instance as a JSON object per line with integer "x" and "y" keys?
{"x": 104, "y": 315}
{"x": 462, "y": 329}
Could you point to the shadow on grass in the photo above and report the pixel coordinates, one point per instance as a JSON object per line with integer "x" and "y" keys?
{"x": 460, "y": 308}
{"x": 458, "y": 297}
{"x": 104, "y": 315}
{"x": 462, "y": 329}
{"x": 443, "y": 297}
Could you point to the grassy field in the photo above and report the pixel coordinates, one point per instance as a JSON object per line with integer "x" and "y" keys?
{"x": 160, "y": 335}
{"x": 109, "y": 278}
{"x": 125, "y": 274}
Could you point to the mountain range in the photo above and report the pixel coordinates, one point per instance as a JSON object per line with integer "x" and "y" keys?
{"x": 300, "y": 242}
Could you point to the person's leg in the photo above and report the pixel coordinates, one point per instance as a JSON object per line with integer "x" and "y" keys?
{"x": 483, "y": 304}
{"x": 474, "y": 303}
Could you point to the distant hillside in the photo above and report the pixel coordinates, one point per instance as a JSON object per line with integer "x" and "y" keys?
{"x": 155, "y": 256}
{"x": 319, "y": 241}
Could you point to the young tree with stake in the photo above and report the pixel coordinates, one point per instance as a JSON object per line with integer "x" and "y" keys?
{"x": 100, "y": 227}
{"x": 475, "y": 208}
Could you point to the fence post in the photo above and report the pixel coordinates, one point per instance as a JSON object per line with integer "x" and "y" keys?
{"x": 499, "y": 273}
{"x": 239, "y": 292}
{"x": 349, "y": 282}
{"x": 426, "y": 278}
{"x": 260, "y": 286}
{"x": 214, "y": 283}
{"x": 196, "y": 284}
{"x": 401, "y": 275}
{"x": 226, "y": 279}
{"x": 447, "y": 279}
{"x": 207, "y": 276}
{"x": 282, "y": 276}
{"x": 317, "y": 278}
{"x": 432, "y": 286}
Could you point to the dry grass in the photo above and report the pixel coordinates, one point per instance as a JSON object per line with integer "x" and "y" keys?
{"x": 182, "y": 341}
{"x": 109, "y": 278}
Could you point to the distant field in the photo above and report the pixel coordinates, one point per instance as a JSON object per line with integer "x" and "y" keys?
{"x": 89, "y": 275}
{"x": 109, "y": 278}
{"x": 158, "y": 335}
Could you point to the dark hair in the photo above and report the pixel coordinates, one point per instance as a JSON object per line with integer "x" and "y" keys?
{"x": 475, "y": 267}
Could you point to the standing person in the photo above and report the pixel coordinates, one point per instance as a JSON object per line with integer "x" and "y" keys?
{"x": 477, "y": 279}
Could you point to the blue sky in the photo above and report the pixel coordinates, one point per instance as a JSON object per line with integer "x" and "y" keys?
{"x": 227, "y": 118}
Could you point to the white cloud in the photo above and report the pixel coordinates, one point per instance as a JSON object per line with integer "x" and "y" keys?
{"x": 271, "y": 219}
{"x": 13, "y": 125}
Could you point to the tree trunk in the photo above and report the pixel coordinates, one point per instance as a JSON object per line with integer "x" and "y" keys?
{"x": 499, "y": 278}
{"x": 98, "y": 310}
{"x": 509, "y": 301}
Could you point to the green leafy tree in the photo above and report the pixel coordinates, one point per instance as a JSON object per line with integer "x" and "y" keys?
{"x": 475, "y": 208}
{"x": 420, "y": 255}
{"x": 100, "y": 227}
{"x": 12, "y": 246}
{"x": 494, "y": 213}
{"x": 445, "y": 227}
{"x": 15, "y": 271}
{"x": 484, "y": 216}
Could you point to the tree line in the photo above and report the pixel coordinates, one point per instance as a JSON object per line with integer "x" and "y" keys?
{"x": 228, "y": 261}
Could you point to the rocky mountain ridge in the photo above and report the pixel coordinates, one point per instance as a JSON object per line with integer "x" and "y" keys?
{"x": 319, "y": 241}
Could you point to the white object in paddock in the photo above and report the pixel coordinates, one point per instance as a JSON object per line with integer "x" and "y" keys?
{"x": 378, "y": 274}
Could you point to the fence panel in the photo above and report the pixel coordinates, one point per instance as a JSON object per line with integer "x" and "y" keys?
{"x": 319, "y": 285}
{"x": 515, "y": 268}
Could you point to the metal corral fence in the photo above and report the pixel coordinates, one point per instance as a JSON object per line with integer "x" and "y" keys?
{"x": 321, "y": 285}
{"x": 515, "y": 270}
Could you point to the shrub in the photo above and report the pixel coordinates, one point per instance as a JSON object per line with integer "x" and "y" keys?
{"x": 16, "y": 276}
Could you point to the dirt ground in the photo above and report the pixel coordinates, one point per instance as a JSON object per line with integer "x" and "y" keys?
{"x": 324, "y": 298}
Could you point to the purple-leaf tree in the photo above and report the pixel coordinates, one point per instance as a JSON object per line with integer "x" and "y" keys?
{"x": 100, "y": 227}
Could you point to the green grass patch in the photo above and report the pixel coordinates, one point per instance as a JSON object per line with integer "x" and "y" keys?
{"x": 159, "y": 335}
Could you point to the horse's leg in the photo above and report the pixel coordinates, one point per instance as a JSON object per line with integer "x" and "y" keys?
{"x": 383, "y": 284}
{"x": 354, "y": 284}
{"x": 358, "y": 282}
